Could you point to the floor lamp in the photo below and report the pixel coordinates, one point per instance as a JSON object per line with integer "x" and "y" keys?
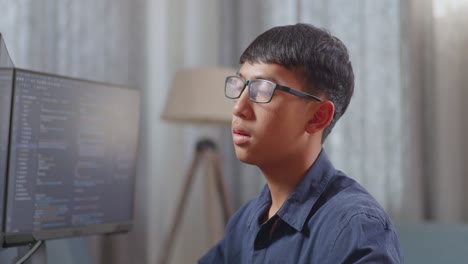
{"x": 197, "y": 96}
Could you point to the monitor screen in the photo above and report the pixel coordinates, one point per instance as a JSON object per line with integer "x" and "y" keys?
{"x": 6, "y": 84}
{"x": 72, "y": 158}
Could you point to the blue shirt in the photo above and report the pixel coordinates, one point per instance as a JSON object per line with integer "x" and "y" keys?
{"x": 328, "y": 218}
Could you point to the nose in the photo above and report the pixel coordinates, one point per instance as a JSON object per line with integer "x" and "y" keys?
{"x": 243, "y": 106}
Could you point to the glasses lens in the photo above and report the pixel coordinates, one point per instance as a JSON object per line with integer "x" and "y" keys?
{"x": 261, "y": 91}
{"x": 234, "y": 87}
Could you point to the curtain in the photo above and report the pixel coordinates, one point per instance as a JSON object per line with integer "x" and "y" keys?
{"x": 437, "y": 38}
{"x": 450, "y": 92}
{"x": 180, "y": 34}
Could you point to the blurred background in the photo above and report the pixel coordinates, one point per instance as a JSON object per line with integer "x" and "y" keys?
{"x": 403, "y": 137}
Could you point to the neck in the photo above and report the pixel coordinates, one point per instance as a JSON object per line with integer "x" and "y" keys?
{"x": 283, "y": 177}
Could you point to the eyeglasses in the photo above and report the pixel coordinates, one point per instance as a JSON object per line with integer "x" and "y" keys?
{"x": 260, "y": 91}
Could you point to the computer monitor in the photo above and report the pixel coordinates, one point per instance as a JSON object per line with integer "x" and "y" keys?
{"x": 6, "y": 83}
{"x": 72, "y": 158}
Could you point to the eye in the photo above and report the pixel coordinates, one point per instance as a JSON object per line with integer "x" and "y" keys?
{"x": 261, "y": 91}
{"x": 234, "y": 87}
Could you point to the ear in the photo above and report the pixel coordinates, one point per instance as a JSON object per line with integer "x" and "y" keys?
{"x": 322, "y": 117}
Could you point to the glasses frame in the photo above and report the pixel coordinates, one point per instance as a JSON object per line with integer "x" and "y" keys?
{"x": 275, "y": 87}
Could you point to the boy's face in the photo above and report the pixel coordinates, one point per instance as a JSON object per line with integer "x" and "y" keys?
{"x": 276, "y": 131}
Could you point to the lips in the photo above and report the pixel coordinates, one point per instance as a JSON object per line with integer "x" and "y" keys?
{"x": 240, "y": 136}
{"x": 240, "y": 131}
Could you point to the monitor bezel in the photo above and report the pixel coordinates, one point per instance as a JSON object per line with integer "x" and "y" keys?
{"x": 12, "y": 239}
{"x": 7, "y": 157}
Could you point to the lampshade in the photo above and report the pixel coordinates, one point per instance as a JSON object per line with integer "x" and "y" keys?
{"x": 197, "y": 96}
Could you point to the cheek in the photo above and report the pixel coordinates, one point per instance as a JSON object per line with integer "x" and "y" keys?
{"x": 286, "y": 128}
{"x": 278, "y": 125}
{"x": 274, "y": 131}
{"x": 267, "y": 123}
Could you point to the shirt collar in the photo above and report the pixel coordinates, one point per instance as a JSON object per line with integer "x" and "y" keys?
{"x": 298, "y": 205}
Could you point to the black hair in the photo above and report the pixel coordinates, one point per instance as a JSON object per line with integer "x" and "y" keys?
{"x": 320, "y": 57}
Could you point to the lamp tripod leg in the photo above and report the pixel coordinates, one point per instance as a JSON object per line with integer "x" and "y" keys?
{"x": 169, "y": 240}
{"x": 221, "y": 187}
{"x": 205, "y": 150}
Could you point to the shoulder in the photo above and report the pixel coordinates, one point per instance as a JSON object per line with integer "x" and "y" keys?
{"x": 365, "y": 238}
{"x": 346, "y": 199}
{"x": 359, "y": 228}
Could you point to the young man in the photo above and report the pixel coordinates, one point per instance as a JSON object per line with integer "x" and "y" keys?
{"x": 294, "y": 83}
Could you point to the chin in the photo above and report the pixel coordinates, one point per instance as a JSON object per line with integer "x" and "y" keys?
{"x": 245, "y": 157}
